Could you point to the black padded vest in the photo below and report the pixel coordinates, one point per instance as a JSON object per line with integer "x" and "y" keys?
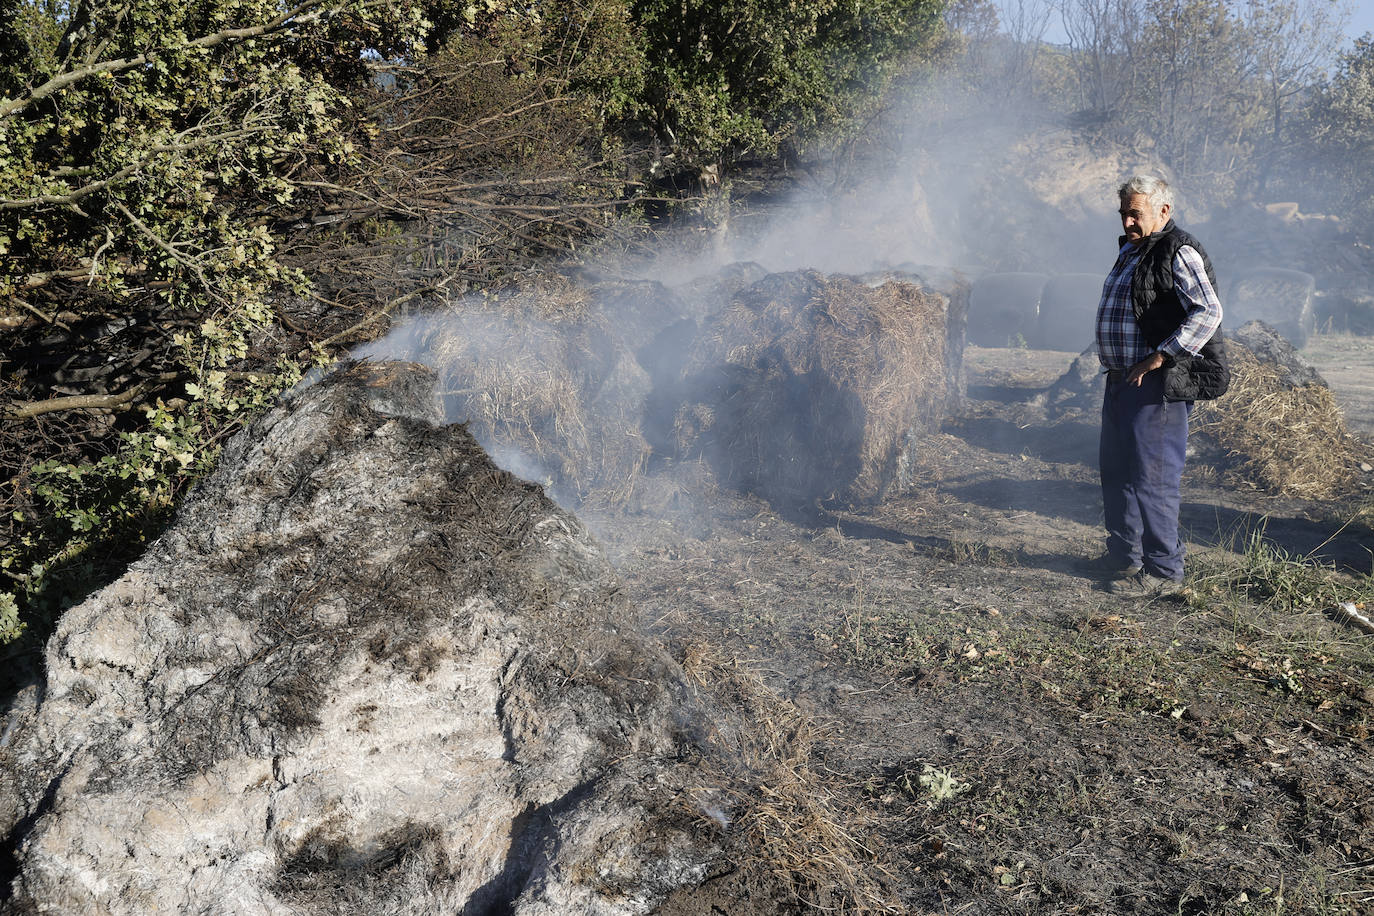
{"x": 1159, "y": 312}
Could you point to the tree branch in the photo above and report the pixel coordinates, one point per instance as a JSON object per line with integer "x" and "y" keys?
{"x": 42, "y": 315}
{"x": 84, "y": 190}
{"x": 298, "y": 15}
{"x": 34, "y": 281}
{"x": 25, "y": 410}
{"x": 384, "y": 311}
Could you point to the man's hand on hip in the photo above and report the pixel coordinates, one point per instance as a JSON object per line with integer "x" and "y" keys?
{"x": 1136, "y": 374}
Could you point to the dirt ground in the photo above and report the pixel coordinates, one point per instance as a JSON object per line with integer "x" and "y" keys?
{"x": 998, "y": 733}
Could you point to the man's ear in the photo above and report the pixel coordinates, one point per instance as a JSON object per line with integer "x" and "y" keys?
{"x": 1165, "y": 210}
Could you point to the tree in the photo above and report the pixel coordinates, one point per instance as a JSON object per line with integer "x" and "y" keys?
{"x": 1026, "y": 22}
{"x": 1102, "y": 37}
{"x": 144, "y": 147}
{"x": 1342, "y": 124}
{"x": 472, "y": 164}
{"x": 725, "y": 77}
{"x": 1289, "y": 44}
{"x": 138, "y": 150}
{"x": 1191, "y": 93}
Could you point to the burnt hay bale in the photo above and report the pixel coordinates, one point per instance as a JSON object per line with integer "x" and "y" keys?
{"x": 1278, "y": 429}
{"x": 365, "y": 671}
{"x": 1068, "y": 312}
{"x": 708, "y": 294}
{"x": 547, "y": 380}
{"x": 808, "y": 386}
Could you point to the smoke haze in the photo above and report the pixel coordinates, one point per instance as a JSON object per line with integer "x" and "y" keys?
{"x": 959, "y": 180}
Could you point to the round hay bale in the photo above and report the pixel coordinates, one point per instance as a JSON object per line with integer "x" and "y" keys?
{"x": 1273, "y": 349}
{"x": 1278, "y": 297}
{"x": 1004, "y": 309}
{"x": 544, "y": 383}
{"x": 708, "y": 294}
{"x": 808, "y": 386}
{"x": 1068, "y": 312}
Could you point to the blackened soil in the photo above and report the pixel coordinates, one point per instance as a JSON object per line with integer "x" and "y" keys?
{"x": 1003, "y": 734}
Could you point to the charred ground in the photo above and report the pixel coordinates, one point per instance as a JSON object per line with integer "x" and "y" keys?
{"x": 1005, "y": 736}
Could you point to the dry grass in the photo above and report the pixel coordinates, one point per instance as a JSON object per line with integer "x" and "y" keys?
{"x": 1286, "y": 441}
{"x": 789, "y": 825}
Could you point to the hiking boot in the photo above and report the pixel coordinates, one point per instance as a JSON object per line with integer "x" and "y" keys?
{"x": 1145, "y": 585}
{"x": 1109, "y": 566}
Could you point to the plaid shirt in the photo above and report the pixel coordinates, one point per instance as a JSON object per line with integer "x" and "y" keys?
{"x": 1120, "y": 344}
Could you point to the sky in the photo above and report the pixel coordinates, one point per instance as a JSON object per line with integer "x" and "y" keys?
{"x": 1361, "y": 21}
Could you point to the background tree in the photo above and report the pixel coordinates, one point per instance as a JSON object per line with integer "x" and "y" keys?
{"x": 1191, "y": 97}
{"x": 1289, "y": 44}
{"x": 142, "y": 144}
{"x": 1102, "y": 38}
{"x": 726, "y": 77}
{"x": 1341, "y": 122}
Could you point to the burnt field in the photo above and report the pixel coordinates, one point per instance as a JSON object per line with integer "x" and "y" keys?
{"x": 997, "y": 734}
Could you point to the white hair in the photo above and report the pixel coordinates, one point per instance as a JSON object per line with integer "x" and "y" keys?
{"x": 1156, "y": 190}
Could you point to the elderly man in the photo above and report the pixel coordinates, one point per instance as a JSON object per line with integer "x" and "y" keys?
{"x": 1159, "y": 338}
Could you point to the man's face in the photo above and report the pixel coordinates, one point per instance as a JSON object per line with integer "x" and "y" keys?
{"x": 1139, "y": 217}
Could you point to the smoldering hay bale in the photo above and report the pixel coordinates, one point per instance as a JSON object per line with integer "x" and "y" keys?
{"x": 365, "y": 671}
{"x": 1004, "y": 309}
{"x": 807, "y": 386}
{"x": 708, "y": 294}
{"x": 1068, "y": 312}
{"x": 547, "y": 379}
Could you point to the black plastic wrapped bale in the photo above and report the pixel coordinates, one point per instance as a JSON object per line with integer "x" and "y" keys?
{"x": 1004, "y": 309}
{"x": 1068, "y": 312}
{"x": 1280, "y": 298}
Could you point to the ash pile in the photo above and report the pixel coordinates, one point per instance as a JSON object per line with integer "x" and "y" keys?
{"x": 1277, "y": 430}
{"x": 795, "y": 387}
{"x": 365, "y": 671}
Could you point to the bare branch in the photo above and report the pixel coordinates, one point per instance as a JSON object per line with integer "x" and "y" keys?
{"x": 34, "y": 281}
{"x": 385, "y": 310}
{"x": 27, "y": 410}
{"x": 42, "y": 315}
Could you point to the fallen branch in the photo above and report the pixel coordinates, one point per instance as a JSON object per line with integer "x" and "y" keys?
{"x": 24, "y": 410}
{"x": 42, "y": 315}
{"x": 383, "y": 312}
{"x": 21, "y": 410}
{"x": 34, "y": 281}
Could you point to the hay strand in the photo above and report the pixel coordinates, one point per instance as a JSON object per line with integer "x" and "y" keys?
{"x": 1289, "y": 441}
{"x": 759, "y": 769}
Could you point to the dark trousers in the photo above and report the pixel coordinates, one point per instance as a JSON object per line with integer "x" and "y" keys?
{"x": 1144, "y": 441}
